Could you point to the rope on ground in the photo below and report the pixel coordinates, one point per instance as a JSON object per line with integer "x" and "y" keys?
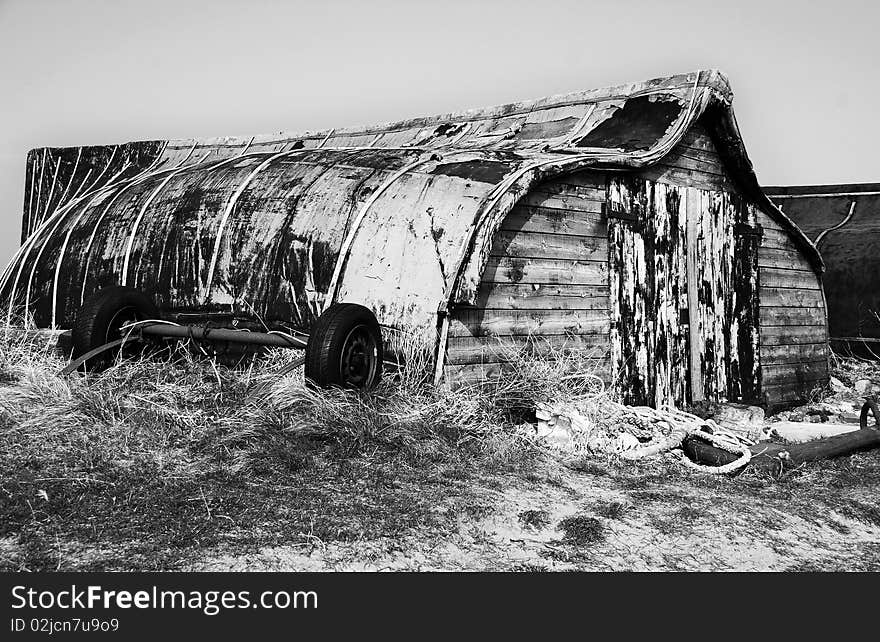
{"x": 645, "y": 432}
{"x": 684, "y": 425}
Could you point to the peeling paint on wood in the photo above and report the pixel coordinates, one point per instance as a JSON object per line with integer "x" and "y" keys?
{"x": 649, "y": 340}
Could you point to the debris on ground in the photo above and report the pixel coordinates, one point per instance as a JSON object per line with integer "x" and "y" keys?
{"x": 596, "y": 425}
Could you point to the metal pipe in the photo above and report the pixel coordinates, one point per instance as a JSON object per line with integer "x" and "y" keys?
{"x": 222, "y": 334}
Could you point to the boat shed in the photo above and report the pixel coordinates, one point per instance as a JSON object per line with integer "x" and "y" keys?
{"x": 624, "y": 223}
{"x": 843, "y": 221}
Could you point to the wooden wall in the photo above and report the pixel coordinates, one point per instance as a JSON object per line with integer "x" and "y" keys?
{"x": 792, "y": 321}
{"x": 546, "y": 284}
{"x": 794, "y": 348}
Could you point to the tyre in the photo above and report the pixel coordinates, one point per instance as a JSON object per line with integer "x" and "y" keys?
{"x": 869, "y": 410}
{"x": 345, "y": 348}
{"x": 101, "y": 316}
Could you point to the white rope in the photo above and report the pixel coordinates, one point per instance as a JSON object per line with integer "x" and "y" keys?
{"x": 667, "y": 427}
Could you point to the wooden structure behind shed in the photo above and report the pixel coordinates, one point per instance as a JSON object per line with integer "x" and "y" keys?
{"x": 624, "y": 224}
{"x": 844, "y": 223}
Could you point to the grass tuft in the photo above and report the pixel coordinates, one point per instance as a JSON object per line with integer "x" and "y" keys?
{"x": 582, "y": 530}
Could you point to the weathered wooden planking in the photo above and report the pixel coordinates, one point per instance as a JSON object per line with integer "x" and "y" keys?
{"x": 779, "y": 278}
{"x": 792, "y": 318}
{"x": 706, "y": 155}
{"x": 592, "y": 348}
{"x": 565, "y": 186}
{"x": 457, "y": 375}
{"x": 793, "y": 353}
{"x": 647, "y": 268}
{"x": 527, "y": 322}
{"x": 791, "y": 298}
{"x": 542, "y": 297}
{"x": 776, "y": 238}
{"x": 784, "y": 316}
{"x": 795, "y": 371}
{"x": 707, "y": 168}
{"x": 790, "y": 335}
{"x": 792, "y": 391}
{"x": 672, "y": 175}
{"x": 525, "y": 218}
{"x": 786, "y": 258}
{"x": 573, "y": 202}
{"x": 772, "y": 224}
{"x": 713, "y": 260}
{"x": 783, "y": 244}
{"x": 697, "y": 137}
{"x": 743, "y": 307}
{"x": 631, "y": 339}
{"x": 549, "y": 245}
{"x": 586, "y": 179}
{"x": 540, "y": 271}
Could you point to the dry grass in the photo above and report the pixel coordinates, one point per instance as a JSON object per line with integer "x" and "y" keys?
{"x": 162, "y": 443}
{"x": 155, "y": 463}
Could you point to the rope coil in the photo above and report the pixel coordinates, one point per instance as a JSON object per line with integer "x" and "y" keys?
{"x": 637, "y": 432}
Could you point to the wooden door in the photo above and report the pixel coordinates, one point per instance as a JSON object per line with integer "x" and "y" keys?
{"x": 722, "y": 276}
{"x": 647, "y": 273}
{"x": 683, "y": 284}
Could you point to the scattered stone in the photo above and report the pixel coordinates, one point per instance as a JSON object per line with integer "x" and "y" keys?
{"x": 864, "y": 386}
{"x": 837, "y": 385}
{"x": 746, "y": 420}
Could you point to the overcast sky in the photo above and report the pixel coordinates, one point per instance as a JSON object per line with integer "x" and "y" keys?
{"x": 80, "y": 72}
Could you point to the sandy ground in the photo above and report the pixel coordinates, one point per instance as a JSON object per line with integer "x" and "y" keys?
{"x": 626, "y": 520}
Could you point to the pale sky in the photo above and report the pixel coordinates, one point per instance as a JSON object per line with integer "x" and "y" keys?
{"x": 79, "y": 72}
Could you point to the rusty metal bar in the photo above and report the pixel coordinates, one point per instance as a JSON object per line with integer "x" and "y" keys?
{"x": 223, "y": 334}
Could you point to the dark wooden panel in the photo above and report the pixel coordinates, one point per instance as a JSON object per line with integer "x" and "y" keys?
{"x": 573, "y": 202}
{"x": 788, "y": 297}
{"x": 789, "y": 392}
{"x": 793, "y": 353}
{"x": 706, "y": 155}
{"x": 546, "y": 219}
{"x": 568, "y": 187}
{"x": 677, "y": 176}
{"x": 771, "y": 316}
{"x": 548, "y": 245}
{"x": 782, "y": 258}
{"x": 793, "y": 372}
{"x": 517, "y": 270}
{"x": 460, "y": 374}
{"x": 699, "y": 163}
{"x": 542, "y": 297}
{"x": 698, "y": 138}
{"x": 585, "y": 179}
{"x": 592, "y": 348}
{"x": 776, "y": 278}
{"x": 527, "y": 322}
{"x": 791, "y": 334}
{"x": 777, "y": 239}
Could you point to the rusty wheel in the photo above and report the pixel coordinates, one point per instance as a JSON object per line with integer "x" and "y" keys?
{"x": 870, "y": 417}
